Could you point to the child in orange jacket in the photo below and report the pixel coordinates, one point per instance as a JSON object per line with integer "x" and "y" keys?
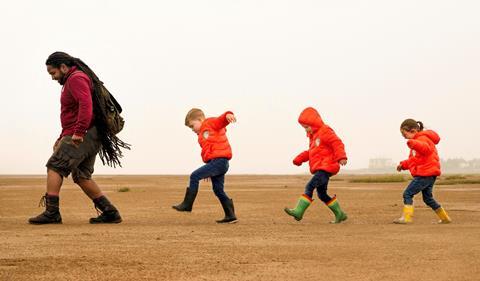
{"x": 424, "y": 165}
{"x": 216, "y": 152}
{"x": 325, "y": 155}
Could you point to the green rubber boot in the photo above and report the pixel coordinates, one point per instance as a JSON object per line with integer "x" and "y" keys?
{"x": 335, "y": 207}
{"x": 303, "y": 202}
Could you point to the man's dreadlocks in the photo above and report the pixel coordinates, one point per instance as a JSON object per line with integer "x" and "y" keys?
{"x": 110, "y": 153}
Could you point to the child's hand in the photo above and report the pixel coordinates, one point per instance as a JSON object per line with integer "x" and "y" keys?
{"x": 399, "y": 168}
{"x": 231, "y": 118}
{"x": 343, "y": 162}
{"x": 297, "y": 162}
{"x": 206, "y": 179}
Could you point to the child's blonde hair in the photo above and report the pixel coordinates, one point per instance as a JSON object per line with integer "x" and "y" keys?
{"x": 194, "y": 114}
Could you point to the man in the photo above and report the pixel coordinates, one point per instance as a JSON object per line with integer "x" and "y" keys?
{"x": 82, "y": 138}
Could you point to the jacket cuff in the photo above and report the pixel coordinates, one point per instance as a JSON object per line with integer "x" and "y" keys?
{"x": 79, "y": 133}
{"x": 343, "y": 157}
{"x": 227, "y": 112}
{"x": 410, "y": 143}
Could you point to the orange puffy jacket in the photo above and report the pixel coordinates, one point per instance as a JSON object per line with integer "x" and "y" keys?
{"x": 423, "y": 160}
{"x": 213, "y": 139}
{"x": 325, "y": 150}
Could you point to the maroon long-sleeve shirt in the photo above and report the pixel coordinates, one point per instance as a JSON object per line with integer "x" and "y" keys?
{"x": 76, "y": 104}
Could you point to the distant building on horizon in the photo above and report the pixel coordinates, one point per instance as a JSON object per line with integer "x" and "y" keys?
{"x": 460, "y": 165}
{"x": 380, "y": 164}
{"x": 449, "y": 166}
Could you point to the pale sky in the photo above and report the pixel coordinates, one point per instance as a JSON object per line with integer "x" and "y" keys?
{"x": 365, "y": 66}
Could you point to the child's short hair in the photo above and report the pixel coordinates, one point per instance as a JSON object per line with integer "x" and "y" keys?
{"x": 411, "y": 124}
{"x": 194, "y": 114}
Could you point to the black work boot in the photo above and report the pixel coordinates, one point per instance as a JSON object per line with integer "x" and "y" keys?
{"x": 187, "y": 204}
{"x": 108, "y": 212}
{"x": 52, "y": 211}
{"x": 229, "y": 210}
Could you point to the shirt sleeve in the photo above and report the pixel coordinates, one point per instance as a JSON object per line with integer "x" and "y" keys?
{"x": 419, "y": 146}
{"x": 81, "y": 91}
{"x": 337, "y": 145}
{"x": 221, "y": 121}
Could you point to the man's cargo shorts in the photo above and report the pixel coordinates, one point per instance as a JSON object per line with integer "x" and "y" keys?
{"x": 79, "y": 160}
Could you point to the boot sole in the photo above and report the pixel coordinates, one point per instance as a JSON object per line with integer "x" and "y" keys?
{"x": 41, "y": 223}
{"x": 340, "y": 221}
{"x": 401, "y": 222}
{"x": 180, "y": 210}
{"x": 103, "y": 222}
{"x": 227, "y": 222}
{"x": 119, "y": 220}
{"x": 292, "y": 215}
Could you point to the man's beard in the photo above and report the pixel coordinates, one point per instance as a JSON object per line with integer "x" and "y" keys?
{"x": 61, "y": 81}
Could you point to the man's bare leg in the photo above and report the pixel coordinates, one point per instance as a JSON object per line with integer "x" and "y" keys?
{"x": 54, "y": 182}
{"x": 91, "y": 188}
{"x": 52, "y": 201}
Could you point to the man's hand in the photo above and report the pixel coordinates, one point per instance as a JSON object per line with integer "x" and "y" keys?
{"x": 231, "y": 118}
{"x": 343, "y": 162}
{"x": 399, "y": 168}
{"x": 77, "y": 140}
{"x": 55, "y": 145}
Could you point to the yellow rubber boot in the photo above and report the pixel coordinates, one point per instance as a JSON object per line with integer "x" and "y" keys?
{"x": 444, "y": 218}
{"x": 406, "y": 216}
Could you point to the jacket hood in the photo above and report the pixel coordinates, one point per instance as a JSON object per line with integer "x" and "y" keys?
{"x": 432, "y": 135}
{"x": 311, "y": 117}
